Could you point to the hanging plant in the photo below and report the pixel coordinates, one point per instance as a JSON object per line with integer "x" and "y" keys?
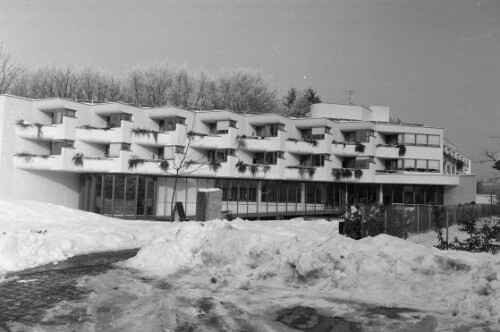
{"x": 22, "y": 124}
{"x": 241, "y": 167}
{"x": 28, "y": 157}
{"x": 336, "y": 174}
{"x": 164, "y": 165}
{"x": 39, "y": 130}
{"x": 311, "y": 172}
{"x": 254, "y": 169}
{"x": 460, "y": 165}
{"x": 266, "y": 169}
{"x": 402, "y": 149}
{"x": 302, "y": 171}
{"x": 346, "y": 173}
{"x": 241, "y": 142}
{"x": 191, "y": 134}
{"x": 188, "y": 163}
{"x": 214, "y": 166}
{"x": 134, "y": 161}
{"x": 145, "y": 132}
{"x": 358, "y": 173}
{"x": 77, "y": 159}
{"x": 89, "y": 127}
{"x": 313, "y": 142}
{"x": 360, "y": 148}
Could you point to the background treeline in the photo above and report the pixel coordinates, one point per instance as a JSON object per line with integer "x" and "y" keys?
{"x": 155, "y": 85}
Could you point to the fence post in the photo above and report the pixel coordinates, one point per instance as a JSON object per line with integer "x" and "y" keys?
{"x": 447, "y": 224}
{"x": 430, "y": 216}
{"x": 418, "y": 219}
{"x": 385, "y": 220}
{"x": 362, "y": 221}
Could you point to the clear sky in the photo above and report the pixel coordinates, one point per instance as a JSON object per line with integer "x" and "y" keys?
{"x": 435, "y": 62}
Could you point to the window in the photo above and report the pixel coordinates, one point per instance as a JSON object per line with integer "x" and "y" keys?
{"x": 409, "y": 139}
{"x": 434, "y": 140}
{"x": 421, "y": 165}
{"x": 318, "y": 136}
{"x": 267, "y": 158}
{"x": 391, "y": 164}
{"x": 57, "y": 146}
{"x": 306, "y": 133}
{"x": 328, "y": 130}
{"x": 318, "y": 160}
{"x": 363, "y": 135}
{"x": 421, "y": 139}
{"x": 409, "y": 164}
{"x": 348, "y": 162}
{"x": 179, "y": 149}
{"x": 212, "y": 127}
{"x": 114, "y": 120}
{"x": 170, "y": 123}
{"x": 219, "y": 156}
{"x": 57, "y": 115}
{"x": 391, "y": 139}
{"x": 415, "y": 139}
{"x": 125, "y": 146}
{"x": 350, "y": 137}
{"x": 433, "y": 165}
{"x": 362, "y": 163}
{"x": 232, "y": 124}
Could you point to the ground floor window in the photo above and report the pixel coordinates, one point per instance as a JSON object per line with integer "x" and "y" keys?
{"x": 413, "y": 194}
{"x": 143, "y": 196}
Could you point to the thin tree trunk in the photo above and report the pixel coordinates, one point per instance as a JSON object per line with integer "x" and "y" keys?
{"x": 174, "y": 192}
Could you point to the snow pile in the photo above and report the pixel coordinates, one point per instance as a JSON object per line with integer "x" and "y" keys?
{"x": 310, "y": 255}
{"x": 35, "y": 233}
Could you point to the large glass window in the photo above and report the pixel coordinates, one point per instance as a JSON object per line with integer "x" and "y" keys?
{"x": 170, "y": 123}
{"x": 434, "y": 140}
{"x": 56, "y": 147}
{"x": 362, "y": 163}
{"x": 58, "y": 115}
{"x": 421, "y": 139}
{"x": 267, "y": 158}
{"x": 433, "y": 165}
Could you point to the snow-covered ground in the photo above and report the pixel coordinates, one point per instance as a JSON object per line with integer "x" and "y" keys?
{"x": 34, "y": 233}
{"x": 297, "y": 256}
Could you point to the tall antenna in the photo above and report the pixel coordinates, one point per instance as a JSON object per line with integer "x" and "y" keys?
{"x": 349, "y": 96}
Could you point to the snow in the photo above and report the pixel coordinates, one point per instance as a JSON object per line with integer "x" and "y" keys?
{"x": 208, "y": 189}
{"x": 34, "y": 233}
{"x": 299, "y": 256}
{"x": 310, "y": 255}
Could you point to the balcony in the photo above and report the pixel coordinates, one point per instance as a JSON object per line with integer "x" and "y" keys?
{"x": 105, "y": 135}
{"x": 227, "y": 140}
{"x": 343, "y": 149}
{"x": 257, "y": 144}
{"x": 47, "y": 132}
{"x": 415, "y": 178}
{"x": 35, "y": 162}
{"x": 388, "y": 152}
{"x": 351, "y": 175}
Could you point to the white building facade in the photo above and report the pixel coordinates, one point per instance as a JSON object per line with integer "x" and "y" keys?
{"x": 111, "y": 158}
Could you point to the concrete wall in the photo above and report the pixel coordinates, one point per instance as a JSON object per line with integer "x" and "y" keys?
{"x": 58, "y": 188}
{"x": 465, "y": 192}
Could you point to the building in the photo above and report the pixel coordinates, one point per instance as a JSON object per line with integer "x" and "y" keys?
{"x": 108, "y": 158}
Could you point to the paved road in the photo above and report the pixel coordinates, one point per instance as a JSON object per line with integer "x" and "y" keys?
{"x": 25, "y": 299}
{"x": 109, "y": 298}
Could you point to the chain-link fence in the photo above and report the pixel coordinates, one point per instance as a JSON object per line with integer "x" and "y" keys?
{"x": 420, "y": 223}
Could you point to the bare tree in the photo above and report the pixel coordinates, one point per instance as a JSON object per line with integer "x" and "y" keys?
{"x": 493, "y": 157}
{"x": 244, "y": 91}
{"x": 10, "y": 70}
{"x": 182, "y": 90}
